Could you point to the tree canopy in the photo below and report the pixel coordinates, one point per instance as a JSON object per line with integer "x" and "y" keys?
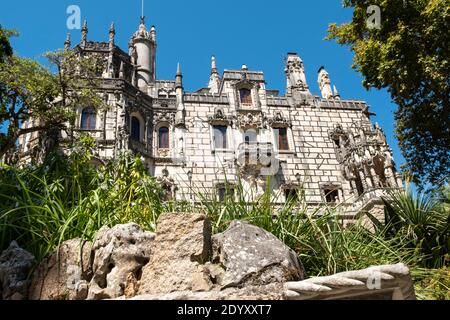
{"x": 31, "y": 91}
{"x": 408, "y": 53}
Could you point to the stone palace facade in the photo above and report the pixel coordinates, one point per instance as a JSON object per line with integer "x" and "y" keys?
{"x": 235, "y": 131}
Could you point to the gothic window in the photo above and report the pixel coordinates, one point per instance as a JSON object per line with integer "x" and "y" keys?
{"x": 88, "y": 118}
{"x": 163, "y": 138}
{"x": 281, "y": 138}
{"x": 246, "y": 96}
{"x": 220, "y": 137}
{"x": 135, "y": 129}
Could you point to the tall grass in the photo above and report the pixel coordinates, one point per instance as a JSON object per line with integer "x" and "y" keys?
{"x": 66, "y": 197}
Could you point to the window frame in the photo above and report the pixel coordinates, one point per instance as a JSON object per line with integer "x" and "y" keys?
{"x": 224, "y": 135}
{"x": 91, "y": 116}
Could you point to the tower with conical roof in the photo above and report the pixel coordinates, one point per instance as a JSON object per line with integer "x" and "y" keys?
{"x": 144, "y": 43}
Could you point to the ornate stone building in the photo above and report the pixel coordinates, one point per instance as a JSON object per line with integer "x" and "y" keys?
{"x": 235, "y": 130}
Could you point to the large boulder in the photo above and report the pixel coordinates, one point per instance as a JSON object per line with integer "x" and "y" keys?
{"x": 64, "y": 273}
{"x": 15, "y": 266}
{"x": 182, "y": 247}
{"x": 251, "y": 256}
{"x": 120, "y": 253}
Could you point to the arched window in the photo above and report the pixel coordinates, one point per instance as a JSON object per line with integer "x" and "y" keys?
{"x": 88, "y": 117}
{"x": 135, "y": 129}
{"x": 163, "y": 138}
{"x": 246, "y": 96}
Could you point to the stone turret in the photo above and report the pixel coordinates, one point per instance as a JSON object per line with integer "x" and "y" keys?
{"x": 84, "y": 32}
{"x": 325, "y": 84}
{"x": 144, "y": 43}
{"x": 180, "y": 115}
{"x": 295, "y": 74}
{"x": 214, "y": 78}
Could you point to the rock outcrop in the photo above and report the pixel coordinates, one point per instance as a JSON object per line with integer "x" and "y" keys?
{"x": 64, "y": 273}
{"x": 120, "y": 253}
{"x": 184, "y": 261}
{"x": 252, "y": 256}
{"x": 239, "y": 263}
{"x": 182, "y": 247}
{"x": 15, "y": 266}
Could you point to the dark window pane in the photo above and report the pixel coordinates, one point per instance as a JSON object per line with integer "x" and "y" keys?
{"x": 135, "y": 129}
{"x": 88, "y": 117}
{"x": 220, "y": 137}
{"x": 246, "y": 96}
{"x": 281, "y": 138}
{"x": 163, "y": 142}
{"x": 331, "y": 195}
{"x": 291, "y": 195}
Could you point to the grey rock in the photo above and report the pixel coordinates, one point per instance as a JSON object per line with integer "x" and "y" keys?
{"x": 252, "y": 256}
{"x": 182, "y": 247}
{"x": 64, "y": 273}
{"x": 118, "y": 252}
{"x": 15, "y": 266}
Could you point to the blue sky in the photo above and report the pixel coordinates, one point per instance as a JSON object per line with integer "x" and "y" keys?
{"x": 255, "y": 32}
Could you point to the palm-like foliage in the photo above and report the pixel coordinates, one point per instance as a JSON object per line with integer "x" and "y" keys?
{"x": 423, "y": 220}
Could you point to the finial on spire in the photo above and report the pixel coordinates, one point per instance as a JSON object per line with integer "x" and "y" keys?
{"x": 84, "y": 32}
{"x": 67, "y": 43}
{"x": 213, "y": 63}
{"x": 112, "y": 33}
{"x": 142, "y": 13}
{"x": 179, "y": 78}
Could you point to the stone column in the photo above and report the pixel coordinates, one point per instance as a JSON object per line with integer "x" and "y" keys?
{"x": 353, "y": 185}
{"x": 368, "y": 180}
{"x": 375, "y": 178}
{"x": 340, "y": 196}
{"x": 399, "y": 180}
{"x": 390, "y": 176}
{"x": 363, "y": 180}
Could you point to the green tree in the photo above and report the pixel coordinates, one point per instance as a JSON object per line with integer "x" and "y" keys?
{"x": 31, "y": 91}
{"x": 408, "y": 54}
{"x": 5, "y": 47}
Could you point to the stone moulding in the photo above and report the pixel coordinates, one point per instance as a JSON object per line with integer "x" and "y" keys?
{"x": 385, "y": 282}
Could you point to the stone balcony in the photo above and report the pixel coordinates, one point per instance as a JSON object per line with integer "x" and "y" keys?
{"x": 141, "y": 147}
{"x": 251, "y": 157}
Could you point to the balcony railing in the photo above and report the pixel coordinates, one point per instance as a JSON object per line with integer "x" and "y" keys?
{"x": 255, "y": 155}
{"x": 140, "y": 147}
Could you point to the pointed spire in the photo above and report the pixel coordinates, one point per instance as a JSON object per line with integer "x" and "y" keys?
{"x": 153, "y": 33}
{"x": 214, "y": 79}
{"x": 112, "y": 29}
{"x": 67, "y": 43}
{"x": 121, "y": 71}
{"x": 112, "y": 34}
{"x": 84, "y": 32}
{"x": 336, "y": 92}
{"x": 213, "y": 65}
{"x": 179, "y": 78}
